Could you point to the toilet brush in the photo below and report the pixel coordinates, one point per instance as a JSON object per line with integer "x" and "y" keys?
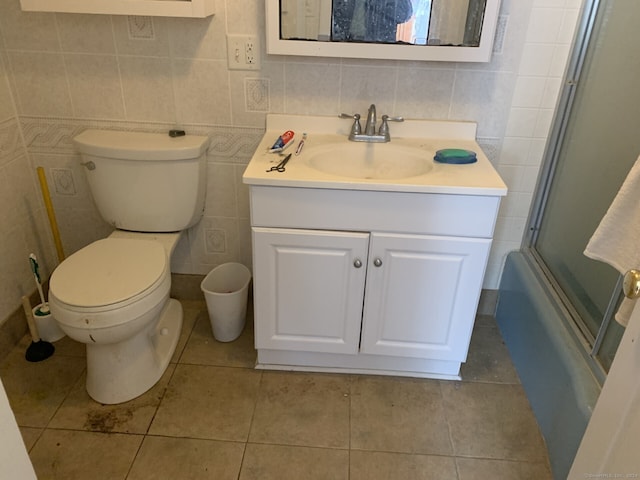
{"x": 33, "y": 261}
{"x": 39, "y": 349}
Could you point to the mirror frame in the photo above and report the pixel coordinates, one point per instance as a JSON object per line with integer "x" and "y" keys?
{"x": 482, "y": 53}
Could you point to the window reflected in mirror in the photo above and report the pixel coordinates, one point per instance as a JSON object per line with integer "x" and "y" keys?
{"x": 414, "y": 22}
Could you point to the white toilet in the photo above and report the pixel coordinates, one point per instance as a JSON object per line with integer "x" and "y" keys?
{"x": 113, "y": 295}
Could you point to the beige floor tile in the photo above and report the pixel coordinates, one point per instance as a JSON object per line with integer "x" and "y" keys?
{"x": 208, "y": 402}
{"x": 187, "y": 459}
{"x": 302, "y": 409}
{"x": 480, "y": 469}
{"x": 277, "y": 462}
{"x": 298, "y": 425}
{"x": 485, "y": 321}
{"x": 36, "y": 389}
{"x": 30, "y": 436}
{"x": 71, "y": 455}
{"x": 204, "y": 349}
{"x": 488, "y": 359}
{"x": 492, "y": 421}
{"x": 71, "y": 348}
{"x": 387, "y": 466}
{"x": 190, "y": 311}
{"x": 81, "y": 412}
{"x": 401, "y": 415}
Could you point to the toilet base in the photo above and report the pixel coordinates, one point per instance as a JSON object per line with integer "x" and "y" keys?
{"x": 120, "y": 372}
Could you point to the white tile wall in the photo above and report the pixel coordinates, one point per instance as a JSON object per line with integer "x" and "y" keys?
{"x": 545, "y": 52}
{"x": 60, "y": 73}
{"x": 147, "y": 88}
{"x": 85, "y": 33}
{"x": 40, "y": 83}
{"x": 21, "y": 215}
{"x": 201, "y": 90}
{"x": 94, "y": 86}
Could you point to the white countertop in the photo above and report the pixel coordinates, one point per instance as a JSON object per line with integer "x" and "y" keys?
{"x": 426, "y": 136}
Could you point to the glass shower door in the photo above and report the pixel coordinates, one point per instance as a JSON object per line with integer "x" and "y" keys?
{"x": 599, "y": 143}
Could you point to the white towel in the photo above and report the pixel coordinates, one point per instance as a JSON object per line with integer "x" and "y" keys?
{"x": 616, "y": 241}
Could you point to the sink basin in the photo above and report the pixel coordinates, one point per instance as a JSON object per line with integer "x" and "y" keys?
{"x": 369, "y": 160}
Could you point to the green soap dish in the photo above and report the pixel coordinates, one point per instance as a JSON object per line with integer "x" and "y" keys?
{"x": 457, "y": 156}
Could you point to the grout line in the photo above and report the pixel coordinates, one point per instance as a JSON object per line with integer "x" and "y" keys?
{"x": 135, "y": 457}
{"x": 351, "y": 379}
{"x": 244, "y": 453}
{"x": 318, "y": 447}
{"x": 253, "y": 413}
{"x": 446, "y": 417}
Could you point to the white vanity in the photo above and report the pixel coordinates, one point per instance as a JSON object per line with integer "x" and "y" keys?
{"x": 376, "y": 266}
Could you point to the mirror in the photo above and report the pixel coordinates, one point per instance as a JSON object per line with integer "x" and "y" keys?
{"x": 437, "y": 30}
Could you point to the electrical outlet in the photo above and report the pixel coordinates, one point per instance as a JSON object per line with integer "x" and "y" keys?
{"x": 250, "y": 52}
{"x": 243, "y": 52}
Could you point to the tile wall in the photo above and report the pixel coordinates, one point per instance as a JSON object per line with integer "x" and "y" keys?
{"x": 61, "y": 73}
{"x": 20, "y": 218}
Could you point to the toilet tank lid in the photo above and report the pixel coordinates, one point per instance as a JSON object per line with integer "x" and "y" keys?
{"x": 140, "y": 145}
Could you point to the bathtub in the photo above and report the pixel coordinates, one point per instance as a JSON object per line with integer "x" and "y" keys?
{"x": 556, "y": 377}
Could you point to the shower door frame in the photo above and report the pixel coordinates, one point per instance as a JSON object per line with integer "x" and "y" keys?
{"x": 590, "y": 344}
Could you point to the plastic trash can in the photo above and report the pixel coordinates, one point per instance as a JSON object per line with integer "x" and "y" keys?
{"x": 226, "y": 289}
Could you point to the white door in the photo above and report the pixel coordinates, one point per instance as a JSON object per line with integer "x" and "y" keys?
{"x": 421, "y": 295}
{"x": 609, "y": 448}
{"x": 308, "y": 286}
{"x": 14, "y": 459}
{"x": 289, "y": 18}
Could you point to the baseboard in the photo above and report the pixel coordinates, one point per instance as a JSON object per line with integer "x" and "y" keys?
{"x": 14, "y": 327}
{"x": 183, "y": 287}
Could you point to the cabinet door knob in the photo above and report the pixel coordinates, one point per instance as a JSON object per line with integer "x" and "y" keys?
{"x": 377, "y": 262}
{"x": 357, "y": 263}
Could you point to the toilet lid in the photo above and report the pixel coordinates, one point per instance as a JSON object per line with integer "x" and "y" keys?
{"x": 108, "y": 271}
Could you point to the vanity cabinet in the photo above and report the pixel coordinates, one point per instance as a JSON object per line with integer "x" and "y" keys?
{"x": 365, "y": 281}
{"x": 374, "y": 293}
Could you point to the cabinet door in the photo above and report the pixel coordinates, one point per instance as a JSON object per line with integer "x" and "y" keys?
{"x": 308, "y": 292}
{"x": 421, "y": 295}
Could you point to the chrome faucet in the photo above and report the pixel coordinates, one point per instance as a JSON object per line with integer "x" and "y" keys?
{"x": 370, "y": 128}
{"x": 370, "y": 135}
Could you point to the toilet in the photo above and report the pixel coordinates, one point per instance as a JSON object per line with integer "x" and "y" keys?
{"x": 113, "y": 295}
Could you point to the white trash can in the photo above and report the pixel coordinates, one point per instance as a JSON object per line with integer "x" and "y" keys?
{"x": 226, "y": 289}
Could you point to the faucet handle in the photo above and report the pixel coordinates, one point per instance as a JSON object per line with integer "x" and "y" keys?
{"x": 356, "y": 128}
{"x": 384, "y": 126}
{"x": 386, "y": 118}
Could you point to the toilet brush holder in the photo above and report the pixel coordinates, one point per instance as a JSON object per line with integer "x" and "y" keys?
{"x": 47, "y": 326}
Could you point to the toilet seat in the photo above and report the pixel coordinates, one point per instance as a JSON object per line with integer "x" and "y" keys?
{"x": 109, "y": 274}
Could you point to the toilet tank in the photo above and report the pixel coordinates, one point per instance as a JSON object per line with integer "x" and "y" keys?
{"x": 145, "y": 182}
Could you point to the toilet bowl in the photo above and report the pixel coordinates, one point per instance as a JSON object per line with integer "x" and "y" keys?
{"x": 113, "y": 296}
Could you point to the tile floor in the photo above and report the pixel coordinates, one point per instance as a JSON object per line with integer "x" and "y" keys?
{"x": 212, "y": 416}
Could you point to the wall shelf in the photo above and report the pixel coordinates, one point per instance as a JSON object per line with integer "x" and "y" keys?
{"x": 157, "y": 8}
